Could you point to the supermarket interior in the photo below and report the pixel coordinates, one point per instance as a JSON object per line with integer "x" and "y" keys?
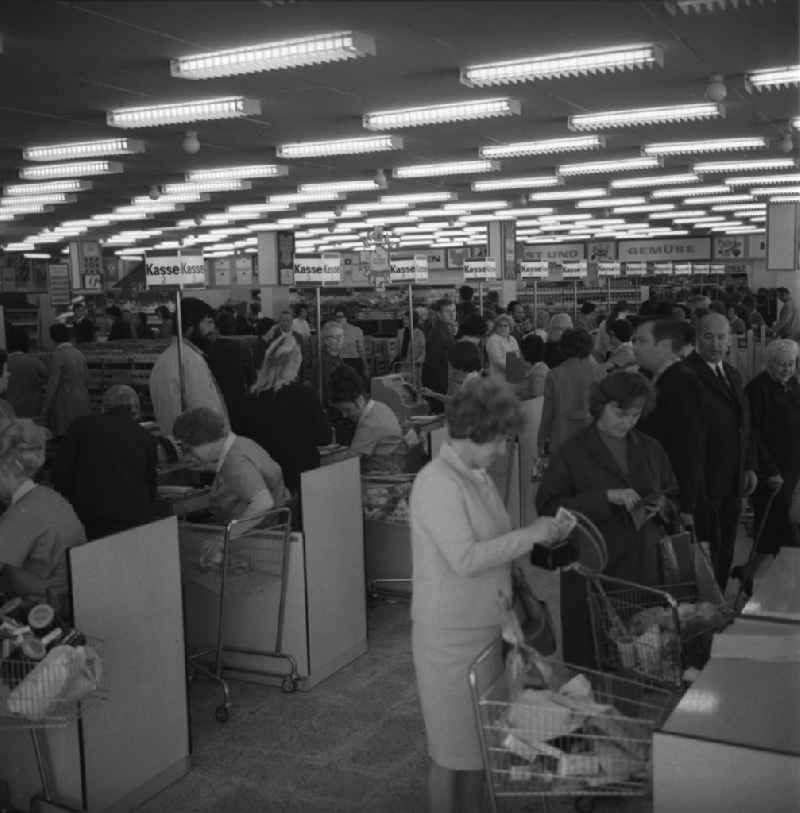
{"x": 399, "y": 405}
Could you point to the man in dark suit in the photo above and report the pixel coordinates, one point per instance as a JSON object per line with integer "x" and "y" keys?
{"x": 677, "y": 421}
{"x": 106, "y": 467}
{"x": 729, "y": 456}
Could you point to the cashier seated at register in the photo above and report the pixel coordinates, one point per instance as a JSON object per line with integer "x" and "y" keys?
{"x": 39, "y": 525}
{"x": 248, "y": 481}
{"x": 377, "y": 428}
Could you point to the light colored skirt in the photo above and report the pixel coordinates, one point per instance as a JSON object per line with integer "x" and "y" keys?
{"x": 442, "y": 659}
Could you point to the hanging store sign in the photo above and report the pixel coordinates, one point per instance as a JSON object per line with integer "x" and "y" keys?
{"x": 221, "y": 268}
{"x": 480, "y": 269}
{"x": 682, "y": 269}
{"x": 662, "y": 269}
{"x": 185, "y": 271}
{"x": 731, "y": 247}
{"x": 318, "y": 270}
{"x": 58, "y": 284}
{"x": 609, "y": 269}
{"x": 243, "y": 268}
{"x": 575, "y": 270}
{"x": 756, "y": 246}
{"x": 556, "y": 253}
{"x": 690, "y": 248}
{"x": 411, "y": 269}
{"x": 534, "y": 270}
{"x": 601, "y": 250}
{"x": 636, "y": 269}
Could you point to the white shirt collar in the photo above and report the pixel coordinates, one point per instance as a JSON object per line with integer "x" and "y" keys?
{"x": 715, "y": 367}
{"x": 22, "y": 490}
{"x": 226, "y": 447}
{"x": 454, "y": 459}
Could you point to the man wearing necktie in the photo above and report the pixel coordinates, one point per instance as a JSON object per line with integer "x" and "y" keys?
{"x": 729, "y": 456}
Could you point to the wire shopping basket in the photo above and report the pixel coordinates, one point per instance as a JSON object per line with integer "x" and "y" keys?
{"x": 588, "y": 735}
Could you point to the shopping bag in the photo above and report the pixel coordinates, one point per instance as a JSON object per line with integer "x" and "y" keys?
{"x": 532, "y": 613}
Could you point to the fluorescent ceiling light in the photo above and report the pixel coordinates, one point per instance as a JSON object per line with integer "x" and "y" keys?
{"x": 340, "y": 146}
{"x": 441, "y": 113}
{"x": 21, "y": 246}
{"x": 445, "y": 168}
{"x": 653, "y": 180}
{"x": 792, "y": 177}
{"x": 250, "y": 171}
{"x": 374, "y": 206}
{"x": 754, "y": 165}
{"x": 543, "y": 147}
{"x": 79, "y": 224}
{"x": 270, "y": 56}
{"x": 25, "y": 209}
{"x": 768, "y": 190}
{"x": 644, "y": 208}
{"x": 533, "y": 211}
{"x": 226, "y": 107}
{"x": 704, "y": 145}
{"x": 419, "y": 197}
{"x": 34, "y": 255}
{"x": 672, "y": 215}
{"x": 744, "y": 230}
{"x": 527, "y": 182}
{"x": 304, "y": 197}
{"x": 638, "y": 116}
{"x": 83, "y": 149}
{"x": 688, "y": 191}
{"x": 785, "y": 199}
{"x": 70, "y": 170}
{"x": 7, "y": 218}
{"x": 796, "y": 122}
{"x": 185, "y": 197}
{"x": 550, "y": 218}
{"x": 567, "y": 194}
{"x": 768, "y": 78}
{"x": 114, "y": 217}
{"x": 21, "y": 201}
{"x": 484, "y": 217}
{"x": 554, "y": 66}
{"x": 355, "y": 185}
{"x": 258, "y": 207}
{"x": 606, "y": 203}
{"x": 699, "y": 6}
{"x": 475, "y": 205}
{"x": 719, "y": 219}
{"x": 154, "y": 209}
{"x": 707, "y": 201}
{"x": 47, "y": 188}
{"x": 599, "y": 167}
{"x": 222, "y": 185}
{"x": 740, "y": 207}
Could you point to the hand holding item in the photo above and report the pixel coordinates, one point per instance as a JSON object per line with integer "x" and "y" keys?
{"x": 562, "y": 554}
{"x": 687, "y": 520}
{"x": 750, "y": 482}
{"x": 545, "y": 531}
{"x": 775, "y": 482}
{"x": 625, "y": 497}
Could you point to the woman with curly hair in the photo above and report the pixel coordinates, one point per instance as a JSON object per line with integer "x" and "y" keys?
{"x": 462, "y": 545}
{"x": 38, "y": 526}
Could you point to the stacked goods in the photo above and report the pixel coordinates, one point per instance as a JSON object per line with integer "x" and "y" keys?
{"x": 387, "y": 501}
{"x": 43, "y": 661}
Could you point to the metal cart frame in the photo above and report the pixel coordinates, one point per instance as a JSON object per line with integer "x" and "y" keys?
{"x": 637, "y": 702}
{"x": 268, "y": 527}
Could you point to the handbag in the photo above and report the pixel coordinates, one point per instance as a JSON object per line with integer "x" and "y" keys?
{"x": 533, "y": 614}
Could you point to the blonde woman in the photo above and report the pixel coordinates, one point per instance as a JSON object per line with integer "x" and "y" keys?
{"x": 500, "y": 344}
{"x": 284, "y": 416}
{"x": 559, "y": 322}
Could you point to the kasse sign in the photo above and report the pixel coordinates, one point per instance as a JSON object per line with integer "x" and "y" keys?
{"x": 318, "y": 269}
{"x": 188, "y": 270}
{"x": 480, "y": 269}
{"x": 409, "y": 270}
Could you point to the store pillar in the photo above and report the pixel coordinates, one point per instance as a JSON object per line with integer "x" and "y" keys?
{"x": 783, "y": 247}
{"x": 503, "y": 247}
{"x": 275, "y": 297}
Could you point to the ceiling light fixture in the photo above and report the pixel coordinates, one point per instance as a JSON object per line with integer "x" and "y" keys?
{"x": 270, "y": 56}
{"x": 183, "y": 197}
{"x": 672, "y": 215}
{"x": 258, "y": 207}
{"x": 445, "y": 168}
{"x": 764, "y": 190}
{"x": 419, "y": 197}
{"x": 567, "y": 194}
{"x": 639, "y": 116}
{"x": 716, "y": 91}
{"x": 555, "y": 66}
{"x": 643, "y": 208}
{"x": 250, "y": 171}
{"x": 70, "y": 170}
{"x": 744, "y": 180}
{"x": 703, "y": 200}
{"x": 533, "y": 211}
{"x": 599, "y": 167}
{"x": 607, "y": 203}
{"x": 543, "y": 147}
{"x": 529, "y": 182}
{"x": 475, "y": 205}
{"x": 688, "y": 191}
{"x": 21, "y": 201}
{"x": 83, "y": 149}
{"x": 699, "y": 6}
{"x": 441, "y": 113}
{"x": 769, "y": 78}
{"x": 740, "y": 207}
{"x": 294, "y": 198}
{"x": 653, "y": 180}
{"x": 47, "y": 188}
{"x": 704, "y": 145}
{"x": 226, "y": 107}
{"x": 340, "y": 146}
{"x": 355, "y": 185}
{"x": 756, "y": 165}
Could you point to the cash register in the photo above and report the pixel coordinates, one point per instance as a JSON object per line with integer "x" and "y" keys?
{"x": 402, "y": 397}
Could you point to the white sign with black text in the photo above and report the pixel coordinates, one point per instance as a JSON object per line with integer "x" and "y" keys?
{"x": 186, "y": 270}
{"x": 680, "y": 249}
{"x": 534, "y": 270}
{"x": 480, "y": 269}
{"x": 609, "y": 268}
{"x": 557, "y": 253}
{"x": 575, "y": 270}
{"x": 317, "y": 270}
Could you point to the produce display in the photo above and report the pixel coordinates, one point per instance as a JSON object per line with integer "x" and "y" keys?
{"x": 44, "y": 662}
{"x": 386, "y": 501}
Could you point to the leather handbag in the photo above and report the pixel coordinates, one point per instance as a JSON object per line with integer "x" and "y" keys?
{"x": 533, "y": 614}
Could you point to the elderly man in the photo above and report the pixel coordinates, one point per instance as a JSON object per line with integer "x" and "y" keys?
{"x": 332, "y": 342}
{"x": 106, "y": 466}
{"x": 729, "y": 453}
{"x": 774, "y": 397}
{"x": 199, "y": 385}
{"x": 440, "y": 338}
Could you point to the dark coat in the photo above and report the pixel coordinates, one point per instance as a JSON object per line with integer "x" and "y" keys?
{"x": 106, "y": 467}
{"x": 437, "y": 344}
{"x": 231, "y": 363}
{"x": 578, "y": 476}
{"x": 728, "y": 447}
{"x": 677, "y": 422}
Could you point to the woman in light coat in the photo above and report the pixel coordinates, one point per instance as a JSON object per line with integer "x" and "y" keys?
{"x": 462, "y": 546}
{"x": 500, "y": 344}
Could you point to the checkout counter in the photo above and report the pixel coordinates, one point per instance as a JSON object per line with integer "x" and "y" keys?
{"x": 733, "y": 741}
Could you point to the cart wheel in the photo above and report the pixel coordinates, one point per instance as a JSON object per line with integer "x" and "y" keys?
{"x": 222, "y": 714}
{"x": 289, "y": 684}
{"x": 584, "y": 804}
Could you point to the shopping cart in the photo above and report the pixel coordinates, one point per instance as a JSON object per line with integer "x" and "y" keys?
{"x": 545, "y": 744}
{"x": 656, "y": 633}
{"x": 244, "y": 556}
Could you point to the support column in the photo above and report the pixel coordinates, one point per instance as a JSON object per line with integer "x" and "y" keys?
{"x": 783, "y": 251}
{"x": 502, "y": 246}
{"x": 274, "y": 296}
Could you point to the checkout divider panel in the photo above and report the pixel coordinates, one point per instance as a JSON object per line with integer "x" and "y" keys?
{"x": 127, "y": 592}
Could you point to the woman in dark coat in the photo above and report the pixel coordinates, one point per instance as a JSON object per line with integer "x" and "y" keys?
{"x": 612, "y": 474}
